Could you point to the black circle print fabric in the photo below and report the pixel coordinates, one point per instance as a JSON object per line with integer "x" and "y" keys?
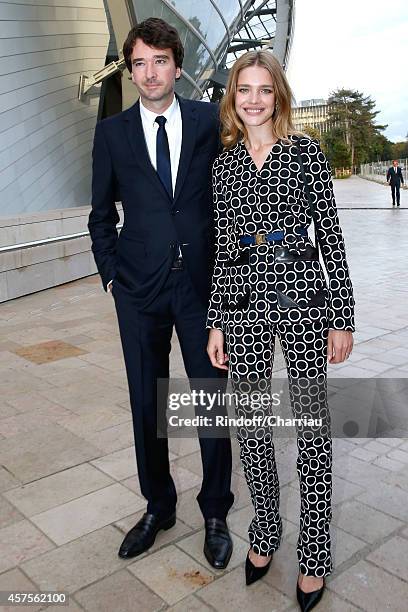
{"x": 251, "y": 284}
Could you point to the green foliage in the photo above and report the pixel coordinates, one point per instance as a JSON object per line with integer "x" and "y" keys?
{"x": 399, "y": 150}
{"x": 312, "y": 132}
{"x": 336, "y": 149}
{"x": 353, "y": 116}
{"x": 381, "y": 148}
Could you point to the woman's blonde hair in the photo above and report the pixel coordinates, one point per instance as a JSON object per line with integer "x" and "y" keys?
{"x": 232, "y": 127}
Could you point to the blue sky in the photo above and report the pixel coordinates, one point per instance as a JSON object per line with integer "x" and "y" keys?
{"x": 357, "y": 44}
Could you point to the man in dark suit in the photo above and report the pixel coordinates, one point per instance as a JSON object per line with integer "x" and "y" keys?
{"x": 395, "y": 178}
{"x": 156, "y": 158}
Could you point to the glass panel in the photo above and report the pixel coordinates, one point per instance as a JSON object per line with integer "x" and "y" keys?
{"x": 203, "y": 16}
{"x": 186, "y": 89}
{"x": 230, "y": 9}
{"x": 196, "y": 57}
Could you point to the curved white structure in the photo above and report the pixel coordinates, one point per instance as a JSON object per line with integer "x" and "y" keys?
{"x": 45, "y": 132}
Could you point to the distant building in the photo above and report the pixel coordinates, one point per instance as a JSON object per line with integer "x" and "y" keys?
{"x": 311, "y": 113}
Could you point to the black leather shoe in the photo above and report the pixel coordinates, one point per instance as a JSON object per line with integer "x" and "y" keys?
{"x": 218, "y": 543}
{"x": 307, "y": 601}
{"x": 143, "y": 534}
{"x": 253, "y": 573}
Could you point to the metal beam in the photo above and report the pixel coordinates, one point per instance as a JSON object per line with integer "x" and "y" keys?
{"x": 258, "y": 13}
{"x": 86, "y": 82}
{"x": 250, "y": 43}
{"x": 253, "y": 12}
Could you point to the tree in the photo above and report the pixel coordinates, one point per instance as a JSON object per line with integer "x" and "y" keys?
{"x": 336, "y": 149}
{"x": 381, "y": 148}
{"x": 353, "y": 113}
{"x": 312, "y": 132}
{"x": 399, "y": 150}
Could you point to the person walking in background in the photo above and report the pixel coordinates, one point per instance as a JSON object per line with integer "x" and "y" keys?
{"x": 156, "y": 158}
{"x": 268, "y": 183}
{"x": 395, "y": 179}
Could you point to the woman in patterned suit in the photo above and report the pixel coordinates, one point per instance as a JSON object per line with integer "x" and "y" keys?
{"x": 268, "y": 282}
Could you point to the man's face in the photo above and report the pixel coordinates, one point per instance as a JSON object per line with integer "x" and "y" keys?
{"x": 153, "y": 72}
{"x": 395, "y": 163}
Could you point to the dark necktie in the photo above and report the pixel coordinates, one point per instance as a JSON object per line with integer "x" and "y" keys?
{"x": 163, "y": 156}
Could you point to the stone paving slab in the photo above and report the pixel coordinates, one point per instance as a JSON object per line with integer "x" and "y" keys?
{"x": 230, "y": 592}
{"x": 364, "y": 522}
{"x": 21, "y": 541}
{"x": 44, "y": 451}
{"x": 68, "y": 477}
{"x": 15, "y": 580}
{"x": 371, "y": 588}
{"x": 79, "y": 563}
{"x": 92, "y": 511}
{"x": 172, "y": 574}
{"x": 120, "y": 591}
{"x": 60, "y": 488}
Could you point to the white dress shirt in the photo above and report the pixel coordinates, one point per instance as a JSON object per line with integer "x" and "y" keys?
{"x": 174, "y": 129}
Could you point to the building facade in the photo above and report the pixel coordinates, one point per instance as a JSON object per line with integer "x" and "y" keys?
{"x": 312, "y": 113}
{"x": 46, "y": 51}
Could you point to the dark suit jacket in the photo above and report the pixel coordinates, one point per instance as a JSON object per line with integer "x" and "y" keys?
{"x": 395, "y": 178}
{"x": 154, "y": 225}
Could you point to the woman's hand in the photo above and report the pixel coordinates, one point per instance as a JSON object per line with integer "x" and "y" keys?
{"x": 215, "y": 349}
{"x": 339, "y": 345}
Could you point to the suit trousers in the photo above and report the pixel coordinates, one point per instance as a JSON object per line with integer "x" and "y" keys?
{"x": 251, "y": 355}
{"x": 395, "y": 191}
{"x": 146, "y": 341}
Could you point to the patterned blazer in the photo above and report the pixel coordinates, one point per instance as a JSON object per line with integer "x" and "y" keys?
{"x": 257, "y": 283}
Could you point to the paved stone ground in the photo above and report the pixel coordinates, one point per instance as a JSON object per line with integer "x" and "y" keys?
{"x": 68, "y": 484}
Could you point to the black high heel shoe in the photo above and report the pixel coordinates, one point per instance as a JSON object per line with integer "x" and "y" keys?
{"x": 253, "y": 573}
{"x": 307, "y": 601}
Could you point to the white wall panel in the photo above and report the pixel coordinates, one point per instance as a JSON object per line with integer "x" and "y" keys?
{"x": 46, "y": 133}
{"x": 30, "y": 44}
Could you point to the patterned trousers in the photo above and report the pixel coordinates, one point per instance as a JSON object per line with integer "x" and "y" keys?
{"x": 251, "y": 354}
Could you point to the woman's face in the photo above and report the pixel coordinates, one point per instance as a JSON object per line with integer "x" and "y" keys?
{"x": 254, "y": 98}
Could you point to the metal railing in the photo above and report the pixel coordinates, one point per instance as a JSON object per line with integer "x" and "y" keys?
{"x": 34, "y": 243}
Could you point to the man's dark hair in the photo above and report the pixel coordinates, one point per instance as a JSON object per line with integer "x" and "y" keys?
{"x": 157, "y": 33}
